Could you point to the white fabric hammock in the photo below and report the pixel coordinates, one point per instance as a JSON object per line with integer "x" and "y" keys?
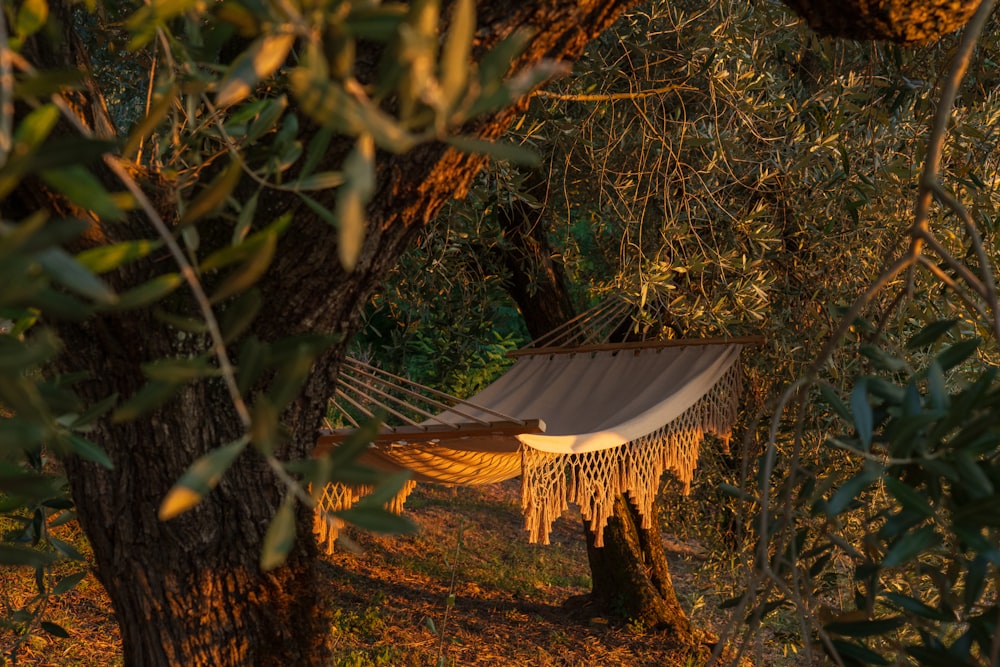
{"x": 614, "y": 418}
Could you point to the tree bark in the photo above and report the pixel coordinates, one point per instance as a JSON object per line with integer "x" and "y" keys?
{"x": 629, "y": 574}
{"x": 189, "y": 591}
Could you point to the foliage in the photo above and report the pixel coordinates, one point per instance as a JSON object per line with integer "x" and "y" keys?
{"x": 743, "y": 176}
{"x": 240, "y": 93}
{"x": 925, "y": 577}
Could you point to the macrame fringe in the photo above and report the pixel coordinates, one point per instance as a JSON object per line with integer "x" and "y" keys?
{"x": 550, "y": 482}
{"x": 336, "y": 497}
{"x": 594, "y": 479}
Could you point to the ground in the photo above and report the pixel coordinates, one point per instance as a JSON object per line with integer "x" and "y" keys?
{"x": 467, "y": 589}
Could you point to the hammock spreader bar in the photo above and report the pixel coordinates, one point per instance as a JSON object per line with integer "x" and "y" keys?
{"x": 616, "y": 416}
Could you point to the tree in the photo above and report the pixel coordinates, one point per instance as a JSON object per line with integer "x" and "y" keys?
{"x": 191, "y": 590}
{"x": 255, "y": 114}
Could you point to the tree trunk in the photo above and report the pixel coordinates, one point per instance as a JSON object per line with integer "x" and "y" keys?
{"x": 629, "y": 574}
{"x": 190, "y": 591}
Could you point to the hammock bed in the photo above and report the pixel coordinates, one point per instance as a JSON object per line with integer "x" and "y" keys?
{"x": 578, "y": 423}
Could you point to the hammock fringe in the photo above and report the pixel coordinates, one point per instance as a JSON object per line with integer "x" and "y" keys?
{"x": 591, "y": 480}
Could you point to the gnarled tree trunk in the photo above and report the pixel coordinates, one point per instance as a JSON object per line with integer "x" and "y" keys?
{"x": 190, "y": 591}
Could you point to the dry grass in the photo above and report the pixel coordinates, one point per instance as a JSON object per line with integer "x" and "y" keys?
{"x": 394, "y": 597}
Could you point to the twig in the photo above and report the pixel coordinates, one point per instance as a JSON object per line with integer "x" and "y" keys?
{"x": 149, "y": 100}
{"x": 942, "y": 115}
{"x": 985, "y": 266}
{"x": 611, "y": 97}
{"x": 954, "y": 285}
{"x": 6, "y": 95}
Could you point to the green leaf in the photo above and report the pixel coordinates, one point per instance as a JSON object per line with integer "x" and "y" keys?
{"x": 29, "y": 486}
{"x": 262, "y": 59}
{"x": 264, "y": 427}
{"x": 930, "y": 334}
{"x": 971, "y": 476}
{"x": 90, "y": 451}
{"x": 109, "y": 257}
{"x": 44, "y": 83}
{"x": 359, "y": 170}
{"x": 377, "y": 519}
{"x": 882, "y": 359}
{"x": 23, "y": 556}
{"x": 908, "y": 497}
{"x": 915, "y": 606}
{"x": 327, "y": 103}
{"x": 936, "y": 657}
{"x": 68, "y": 583}
{"x": 455, "y": 54}
{"x": 31, "y": 17}
{"x": 862, "y": 409}
{"x": 324, "y": 180}
{"x": 385, "y": 491}
{"x": 191, "y": 325}
{"x": 62, "y": 267}
{"x": 36, "y": 126}
{"x": 911, "y": 545}
{"x": 246, "y": 249}
{"x": 499, "y": 151}
{"x": 54, "y": 629}
{"x": 280, "y": 536}
{"x": 239, "y": 314}
{"x": 354, "y": 444}
{"x": 323, "y": 212}
{"x": 937, "y": 387}
{"x": 851, "y": 489}
{"x": 251, "y": 363}
{"x": 378, "y": 22}
{"x": 268, "y": 118}
{"x": 180, "y": 369}
{"x": 150, "y": 292}
{"x": 244, "y": 277}
{"x": 18, "y": 356}
{"x": 213, "y": 195}
{"x": 859, "y": 653}
{"x": 66, "y": 549}
{"x": 871, "y": 628}
{"x": 955, "y": 354}
{"x": 203, "y": 476}
{"x": 834, "y": 401}
{"x": 316, "y": 151}
{"x": 150, "y": 397}
{"x": 737, "y": 492}
{"x": 83, "y": 189}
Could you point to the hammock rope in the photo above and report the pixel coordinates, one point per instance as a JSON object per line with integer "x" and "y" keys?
{"x": 579, "y": 420}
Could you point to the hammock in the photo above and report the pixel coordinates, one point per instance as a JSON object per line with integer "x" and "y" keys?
{"x": 579, "y": 424}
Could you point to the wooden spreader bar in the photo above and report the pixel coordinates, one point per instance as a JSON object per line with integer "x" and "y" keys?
{"x": 329, "y": 439}
{"x": 637, "y": 345}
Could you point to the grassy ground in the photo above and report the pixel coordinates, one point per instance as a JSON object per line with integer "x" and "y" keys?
{"x": 466, "y": 590}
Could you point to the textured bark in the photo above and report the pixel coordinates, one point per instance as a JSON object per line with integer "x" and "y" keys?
{"x": 901, "y": 21}
{"x": 630, "y": 576}
{"x": 189, "y": 591}
{"x": 630, "y": 573}
{"x": 535, "y": 278}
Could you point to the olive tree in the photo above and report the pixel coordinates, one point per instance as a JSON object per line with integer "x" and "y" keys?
{"x": 179, "y": 284}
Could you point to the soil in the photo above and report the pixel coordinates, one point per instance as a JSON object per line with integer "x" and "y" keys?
{"x": 465, "y": 589}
